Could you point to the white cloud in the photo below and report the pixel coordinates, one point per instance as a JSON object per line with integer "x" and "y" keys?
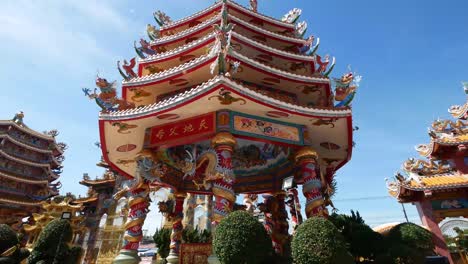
{"x": 63, "y": 31}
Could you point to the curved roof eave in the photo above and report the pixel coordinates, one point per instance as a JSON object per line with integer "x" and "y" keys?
{"x": 191, "y": 17}
{"x": 207, "y": 86}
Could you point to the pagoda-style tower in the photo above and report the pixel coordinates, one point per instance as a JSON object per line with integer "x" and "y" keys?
{"x": 29, "y": 164}
{"x": 438, "y": 184}
{"x": 223, "y": 102}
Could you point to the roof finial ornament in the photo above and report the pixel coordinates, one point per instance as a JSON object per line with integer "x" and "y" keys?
{"x": 18, "y": 118}
{"x": 145, "y": 48}
{"x": 292, "y": 16}
{"x": 161, "y": 18}
{"x": 152, "y": 32}
{"x": 128, "y": 67}
{"x": 107, "y": 99}
{"x": 253, "y": 5}
{"x": 309, "y": 48}
{"x": 301, "y": 29}
{"x": 346, "y": 87}
{"x": 222, "y": 45}
{"x": 465, "y": 87}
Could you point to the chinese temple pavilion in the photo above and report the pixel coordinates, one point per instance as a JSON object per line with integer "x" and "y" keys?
{"x": 29, "y": 164}
{"x": 104, "y": 230}
{"x": 55, "y": 209}
{"x": 224, "y": 102}
{"x": 437, "y": 184}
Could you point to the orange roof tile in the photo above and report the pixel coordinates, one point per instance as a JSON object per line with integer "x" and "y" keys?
{"x": 452, "y": 180}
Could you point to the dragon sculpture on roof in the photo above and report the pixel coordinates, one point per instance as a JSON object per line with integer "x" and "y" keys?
{"x": 426, "y": 167}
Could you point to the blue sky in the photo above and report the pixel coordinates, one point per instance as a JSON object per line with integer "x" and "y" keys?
{"x": 412, "y": 55}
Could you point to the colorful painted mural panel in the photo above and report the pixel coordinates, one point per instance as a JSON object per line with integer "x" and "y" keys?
{"x": 197, "y": 253}
{"x": 450, "y": 204}
{"x": 258, "y": 127}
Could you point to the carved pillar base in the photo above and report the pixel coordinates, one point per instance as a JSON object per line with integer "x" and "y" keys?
{"x": 127, "y": 257}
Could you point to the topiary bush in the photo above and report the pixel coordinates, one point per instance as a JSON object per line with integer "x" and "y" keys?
{"x": 9, "y": 246}
{"x": 52, "y": 245}
{"x": 318, "y": 241}
{"x": 408, "y": 243}
{"x": 241, "y": 239}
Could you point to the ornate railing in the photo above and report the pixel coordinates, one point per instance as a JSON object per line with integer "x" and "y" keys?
{"x": 26, "y": 156}
{"x": 29, "y": 140}
{"x": 20, "y": 173}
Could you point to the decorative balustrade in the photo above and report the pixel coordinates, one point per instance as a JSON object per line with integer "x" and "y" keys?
{"x": 21, "y": 192}
{"x": 27, "y": 139}
{"x": 22, "y": 173}
{"x": 30, "y": 157}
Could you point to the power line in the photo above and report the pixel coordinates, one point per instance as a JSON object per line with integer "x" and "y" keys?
{"x": 363, "y": 198}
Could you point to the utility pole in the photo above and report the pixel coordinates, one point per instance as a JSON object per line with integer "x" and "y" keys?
{"x": 404, "y": 211}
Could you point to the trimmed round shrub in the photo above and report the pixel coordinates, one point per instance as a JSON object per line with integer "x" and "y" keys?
{"x": 241, "y": 239}
{"x": 52, "y": 245}
{"x": 318, "y": 241}
{"x": 409, "y": 243}
{"x": 9, "y": 239}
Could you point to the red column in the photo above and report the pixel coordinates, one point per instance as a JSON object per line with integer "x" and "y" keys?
{"x": 306, "y": 159}
{"x": 177, "y": 227}
{"x": 223, "y": 190}
{"x": 427, "y": 218}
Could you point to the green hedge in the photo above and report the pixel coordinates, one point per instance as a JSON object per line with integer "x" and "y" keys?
{"x": 408, "y": 243}
{"x": 241, "y": 239}
{"x": 9, "y": 239}
{"x": 318, "y": 241}
{"x": 52, "y": 245}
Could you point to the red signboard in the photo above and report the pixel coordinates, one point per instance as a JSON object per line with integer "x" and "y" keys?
{"x": 184, "y": 131}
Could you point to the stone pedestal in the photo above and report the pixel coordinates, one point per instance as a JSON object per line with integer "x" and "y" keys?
{"x": 127, "y": 257}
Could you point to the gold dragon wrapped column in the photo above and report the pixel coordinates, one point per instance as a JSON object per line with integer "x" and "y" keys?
{"x": 306, "y": 159}
{"x": 138, "y": 203}
{"x": 223, "y": 190}
{"x": 147, "y": 172}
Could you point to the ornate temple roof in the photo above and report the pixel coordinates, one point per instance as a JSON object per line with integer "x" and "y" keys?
{"x": 234, "y": 5}
{"x": 218, "y": 80}
{"x": 26, "y": 129}
{"x": 444, "y": 167}
{"x": 177, "y": 51}
{"x": 229, "y": 60}
{"x": 85, "y": 200}
{"x": 183, "y": 34}
{"x": 191, "y": 17}
{"x": 106, "y": 181}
